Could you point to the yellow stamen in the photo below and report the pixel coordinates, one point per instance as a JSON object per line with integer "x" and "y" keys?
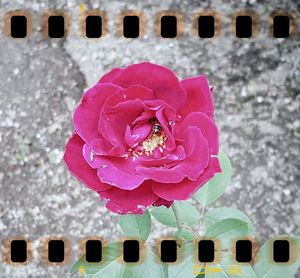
{"x": 153, "y": 141}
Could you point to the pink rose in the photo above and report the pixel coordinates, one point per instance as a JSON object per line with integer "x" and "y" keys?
{"x": 142, "y": 138}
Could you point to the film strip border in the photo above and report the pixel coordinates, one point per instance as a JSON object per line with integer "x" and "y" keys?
{"x": 57, "y": 250}
{"x": 131, "y": 24}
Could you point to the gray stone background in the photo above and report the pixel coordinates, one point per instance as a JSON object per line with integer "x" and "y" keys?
{"x": 257, "y": 104}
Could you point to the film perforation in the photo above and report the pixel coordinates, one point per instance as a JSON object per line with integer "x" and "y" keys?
{"x": 283, "y": 24}
{"x": 206, "y": 251}
{"x": 18, "y": 24}
{"x": 56, "y": 250}
{"x": 169, "y": 24}
{"x": 93, "y": 250}
{"x": 93, "y": 24}
{"x": 281, "y": 251}
{"x": 206, "y": 26}
{"x": 243, "y": 251}
{"x": 131, "y": 24}
{"x": 168, "y": 251}
{"x": 55, "y": 24}
{"x": 245, "y": 24}
{"x": 17, "y": 251}
{"x": 131, "y": 251}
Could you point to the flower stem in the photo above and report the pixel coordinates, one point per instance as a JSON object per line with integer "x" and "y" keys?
{"x": 176, "y": 213}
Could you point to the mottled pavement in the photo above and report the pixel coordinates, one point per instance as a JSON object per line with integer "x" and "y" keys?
{"x": 257, "y": 104}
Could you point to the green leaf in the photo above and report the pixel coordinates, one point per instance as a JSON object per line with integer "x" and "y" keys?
{"x": 215, "y": 215}
{"x": 266, "y": 268}
{"x": 164, "y": 215}
{"x": 109, "y": 253}
{"x": 136, "y": 226}
{"x": 184, "y": 234}
{"x": 227, "y": 230}
{"x": 187, "y": 214}
{"x": 225, "y": 268}
{"x": 150, "y": 267}
{"x": 214, "y": 188}
{"x": 115, "y": 269}
{"x": 89, "y": 268}
{"x": 185, "y": 268}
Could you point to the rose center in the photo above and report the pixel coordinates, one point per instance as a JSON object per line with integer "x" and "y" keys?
{"x": 156, "y": 139}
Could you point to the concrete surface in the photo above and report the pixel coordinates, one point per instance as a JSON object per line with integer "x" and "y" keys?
{"x": 257, "y": 104}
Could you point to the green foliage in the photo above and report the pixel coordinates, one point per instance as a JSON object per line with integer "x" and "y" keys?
{"x": 136, "y": 226}
{"x": 225, "y": 267}
{"x": 112, "y": 267}
{"x": 214, "y": 188}
{"x": 184, "y": 234}
{"x": 188, "y": 267}
{"x": 187, "y": 214}
{"x": 164, "y": 215}
{"x": 227, "y": 230}
{"x": 223, "y": 224}
{"x": 150, "y": 267}
{"x": 109, "y": 253}
{"x": 266, "y": 268}
{"x": 218, "y": 214}
{"x": 185, "y": 268}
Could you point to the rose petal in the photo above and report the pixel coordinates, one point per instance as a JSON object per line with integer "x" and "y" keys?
{"x": 133, "y": 201}
{"x": 163, "y": 202}
{"x": 103, "y": 147}
{"x": 197, "y": 152}
{"x": 86, "y": 115}
{"x": 199, "y": 96}
{"x": 207, "y": 126}
{"x": 177, "y": 155}
{"x": 166, "y": 124}
{"x": 76, "y": 164}
{"x": 161, "y": 80}
{"x": 110, "y": 174}
{"x": 108, "y": 77}
{"x": 197, "y": 157}
{"x": 185, "y": 189}
{"x": 114, "y": 120}
{"x": 144, "y": 117}
{"x": 120, "y": 110}
{"x": 119, "y": 172}
{"x": 131, "y": 93}
{"x": 137, "y": 134}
